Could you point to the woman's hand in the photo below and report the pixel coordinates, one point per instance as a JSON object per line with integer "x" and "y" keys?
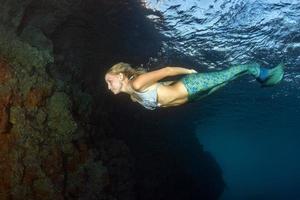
{"x": 174, "y": 71}
{"x": 191, "y": 71}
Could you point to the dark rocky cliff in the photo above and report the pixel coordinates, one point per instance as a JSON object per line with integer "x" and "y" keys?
{"x": 62, "y": 134}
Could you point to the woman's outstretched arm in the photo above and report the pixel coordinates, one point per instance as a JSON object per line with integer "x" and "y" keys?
{"x": 149, "y": 78}
{"x": 180, "y": 70}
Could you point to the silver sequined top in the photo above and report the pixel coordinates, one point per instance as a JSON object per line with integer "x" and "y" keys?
{"x": 148, "y": 99}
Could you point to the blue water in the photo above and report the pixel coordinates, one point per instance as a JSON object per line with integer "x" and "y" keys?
{"x": 253, "y": 132}
{"x": 255, "y": 140}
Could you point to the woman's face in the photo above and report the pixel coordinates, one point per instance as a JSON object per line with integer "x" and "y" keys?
{"x": 114, "y": 82}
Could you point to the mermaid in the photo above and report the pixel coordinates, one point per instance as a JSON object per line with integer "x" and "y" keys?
{"x": 147, "y": 88}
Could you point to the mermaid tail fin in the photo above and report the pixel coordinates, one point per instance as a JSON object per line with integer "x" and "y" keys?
{"x": 270, "y": 77}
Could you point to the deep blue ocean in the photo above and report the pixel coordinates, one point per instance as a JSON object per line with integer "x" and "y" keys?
{"x": 252, "y": 132}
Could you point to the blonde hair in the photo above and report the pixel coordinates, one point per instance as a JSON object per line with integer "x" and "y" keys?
{"x": 126, "y": 69}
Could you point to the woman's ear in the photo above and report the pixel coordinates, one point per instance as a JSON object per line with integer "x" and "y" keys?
{"x": 121, "y": 76}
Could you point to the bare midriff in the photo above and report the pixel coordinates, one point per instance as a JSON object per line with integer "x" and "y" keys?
{"x": 171, "y": 95}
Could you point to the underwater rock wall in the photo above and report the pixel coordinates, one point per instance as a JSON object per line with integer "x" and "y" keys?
{"x": 43, "y": 150}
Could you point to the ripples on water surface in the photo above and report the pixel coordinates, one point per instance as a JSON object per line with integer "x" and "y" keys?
{"x": 221, "y": 33}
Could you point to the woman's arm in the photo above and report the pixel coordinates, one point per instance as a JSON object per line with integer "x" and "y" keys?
{"x": 180, "y": 70}
{"x": 149, "y": 78}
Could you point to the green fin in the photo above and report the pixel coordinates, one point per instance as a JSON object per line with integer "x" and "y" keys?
{"x": 275, "y": 75}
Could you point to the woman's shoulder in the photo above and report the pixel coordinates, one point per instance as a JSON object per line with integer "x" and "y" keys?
{"x": 145, "y": 88}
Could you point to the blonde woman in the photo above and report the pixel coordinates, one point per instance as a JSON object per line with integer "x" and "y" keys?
{"x": 144, "y": 87}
